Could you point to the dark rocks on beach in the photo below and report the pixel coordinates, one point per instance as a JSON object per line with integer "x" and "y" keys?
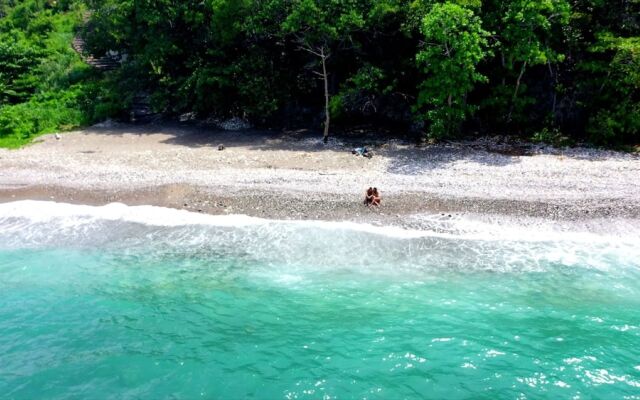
{"x": 233, "y": 124}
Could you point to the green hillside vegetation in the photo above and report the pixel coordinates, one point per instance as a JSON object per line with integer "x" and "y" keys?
{"x": 44, "y": 85}
{"x": 557, "y": 71}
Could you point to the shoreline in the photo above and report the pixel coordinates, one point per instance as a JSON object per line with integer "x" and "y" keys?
{"x": 292, "y": 176}
{"x": 279, "y": 205}
{"x": 616, "y": 231}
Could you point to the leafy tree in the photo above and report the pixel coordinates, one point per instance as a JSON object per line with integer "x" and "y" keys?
{"x": 528, "y": 34}
{"x": 602, "y": 72}
{"x": 17, "y": 58}
{"x": 455, "y": 44}
{"x": 562, "y": 66}
{"x": 44, "y": 86}
{"x": 617, "y": 120}
{"x": 319, "y": 27}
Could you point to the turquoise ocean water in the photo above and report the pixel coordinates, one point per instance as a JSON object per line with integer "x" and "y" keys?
{"x": 96, "y": 304}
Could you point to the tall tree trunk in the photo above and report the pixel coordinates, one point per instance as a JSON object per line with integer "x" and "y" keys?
{"x": 325, "y": 78}
{"x": 555, "y": 93}
{"x": 321, "y": 52}
{"x": 504, "y": 64}
{"x": 515, "y": 92}
{"x": 449, "y": 127}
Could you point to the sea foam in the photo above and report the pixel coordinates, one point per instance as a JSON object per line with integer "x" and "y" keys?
{"x": 459, "y": 227}
{"x": 291, "y": 249}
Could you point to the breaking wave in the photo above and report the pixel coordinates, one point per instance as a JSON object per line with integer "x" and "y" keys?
{"x": 458, "y": 244}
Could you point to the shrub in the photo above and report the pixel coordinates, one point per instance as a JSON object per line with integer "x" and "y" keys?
{"x": 615, "y": 127}
{"x": 20, "y": 123}
{"x": 552, "y": 136}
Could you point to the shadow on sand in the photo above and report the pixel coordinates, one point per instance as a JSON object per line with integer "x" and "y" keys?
{"x": 403, "y": 157}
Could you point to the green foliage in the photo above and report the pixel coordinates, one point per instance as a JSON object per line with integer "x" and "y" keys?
{"x": 16, "y": 59}
{"x": 528, "y": 28}
{"x": 552, "y": 136}
{"x": 616, "y": 126}
{"x": 323, "y": 21}
{"x": 368, "y": 78}
{"x": 260, "y": 60}
{"x": 44, "y": 85}
{"x": 361, "y": 92}
{"x": 531, "y": 68}
{"x": 527, "y": 34}
{"x": 455, "y": 44}
{"x": 21, "y": 122}
{"x": 616, "y": 98}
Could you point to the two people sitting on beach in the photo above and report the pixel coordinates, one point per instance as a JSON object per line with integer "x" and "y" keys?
{"x": 372, "y": 197}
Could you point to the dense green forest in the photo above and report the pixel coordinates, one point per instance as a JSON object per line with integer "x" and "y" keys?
{"x": 44, "y": 85}
{"x": 559, "y": 71}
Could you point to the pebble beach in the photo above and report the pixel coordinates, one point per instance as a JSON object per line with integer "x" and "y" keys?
{"x": 292, "y": 175}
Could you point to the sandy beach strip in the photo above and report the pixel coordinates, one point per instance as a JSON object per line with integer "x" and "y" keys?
{"x": 293, "y": 176}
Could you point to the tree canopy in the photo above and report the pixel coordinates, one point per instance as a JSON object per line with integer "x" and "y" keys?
{"x": 548, "y": 69}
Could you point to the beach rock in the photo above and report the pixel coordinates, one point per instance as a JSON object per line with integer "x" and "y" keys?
{"x": 190, "y": 116}
{"x": 234, "y": 124}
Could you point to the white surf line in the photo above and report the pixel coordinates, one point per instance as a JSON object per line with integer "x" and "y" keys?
{"x": 460, "y": 228}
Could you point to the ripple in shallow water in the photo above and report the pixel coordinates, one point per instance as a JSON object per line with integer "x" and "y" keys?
{"x": 92, "y": 305}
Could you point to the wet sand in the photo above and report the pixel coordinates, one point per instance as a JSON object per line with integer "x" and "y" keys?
{"x": 291, "y": 175}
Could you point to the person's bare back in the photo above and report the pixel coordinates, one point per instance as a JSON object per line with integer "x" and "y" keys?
{"x": 377, "y": 199}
